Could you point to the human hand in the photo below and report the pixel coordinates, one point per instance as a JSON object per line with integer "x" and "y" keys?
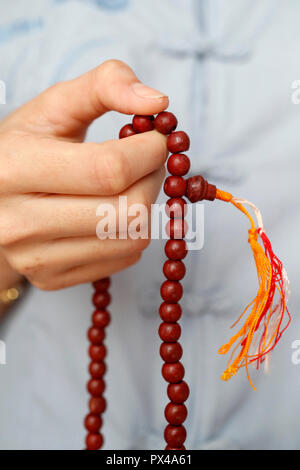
{"x": 51, "y": 182}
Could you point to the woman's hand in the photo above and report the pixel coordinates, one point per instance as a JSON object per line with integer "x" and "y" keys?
{"x": 51, "y": 183}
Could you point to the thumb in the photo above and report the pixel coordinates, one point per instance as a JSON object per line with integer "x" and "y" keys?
{"x": 67, "y": 108}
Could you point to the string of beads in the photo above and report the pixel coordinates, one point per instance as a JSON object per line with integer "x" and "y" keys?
{"x": 175, "y": 187}
{"x": 97, "y": 367}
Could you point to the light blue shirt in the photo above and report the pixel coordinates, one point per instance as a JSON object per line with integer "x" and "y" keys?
{"x": 227, "y": 68}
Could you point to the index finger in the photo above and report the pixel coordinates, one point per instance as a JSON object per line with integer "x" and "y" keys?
{"x": 108, "y": 168}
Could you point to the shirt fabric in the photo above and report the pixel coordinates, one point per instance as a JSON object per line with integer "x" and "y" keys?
{"x": 227, "y": 68}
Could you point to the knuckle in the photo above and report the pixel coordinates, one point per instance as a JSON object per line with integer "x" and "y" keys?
{"x": 28, "y": 266}
{"x": 10, "y": 231}
{"x": 110, "y": 66}
{"x": 14, "y": 229}
{"x": 111, "y": 170}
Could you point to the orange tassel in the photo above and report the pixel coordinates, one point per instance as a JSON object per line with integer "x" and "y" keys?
{"x": 262, "y": 329}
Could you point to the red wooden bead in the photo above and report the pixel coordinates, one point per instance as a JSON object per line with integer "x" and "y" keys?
{"x": 175, "y": 435}
{"x": 176, "y": 249}
{"x": 169, "y": 332}
{"x": 179, "y": 392}
{"x": 174, "y": 270}
{"x": 173, "y": 372}
{"x": 97, "y": 352}
{"x": 101, "y": 318}
{"x": 175, "y": 186}
{"x": 171, "y": 291}
{"x": 178, "y": 142}
{"x": 178, "y": 164}
{"x": 170, "y": 352}
{"x": 198, "y": 189}
{"x": 102, "y": 285}
{"x": 175, "y": 414}
{"x": 170, "y": 312}
{"x": 176, "y": 228}
{"x": 101, "y": 299}
{"x": 96, "y": 387}
{"x": 143, "y": 123}
{"x": 126, "y": 131}
{"x": 96, "y": 335}
{"x": 92, "y": 422}
{"x": 165, "y": 122}
{"x": 97, "y": 405}
{"x": 97, "y": 369}
{"x": 94, "y": 441}
{"x": 176, "y": 208}
{"x": 174, "y": 448}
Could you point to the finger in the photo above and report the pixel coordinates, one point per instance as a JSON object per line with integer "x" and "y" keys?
{"x": 68, "y": 108}
{"x": 48, "y": 166}
{"x": 48, "y": 217}
{"x": 85, "y": 273}
{"x": 63, "y": 254}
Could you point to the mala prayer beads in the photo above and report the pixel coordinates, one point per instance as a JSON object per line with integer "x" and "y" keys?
{"x": 252, "y": 344}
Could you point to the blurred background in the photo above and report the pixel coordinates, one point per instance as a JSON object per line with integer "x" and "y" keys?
{"x": 229, "y": 70}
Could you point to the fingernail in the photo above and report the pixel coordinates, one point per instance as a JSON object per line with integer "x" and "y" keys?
{"x": 144, "y": 91}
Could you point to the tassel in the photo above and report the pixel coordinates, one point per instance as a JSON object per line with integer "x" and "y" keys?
{"x": 263, "y": 328}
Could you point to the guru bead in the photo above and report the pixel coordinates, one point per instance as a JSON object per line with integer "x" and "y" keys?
{"x": 173, "y": 372}
{"x": 176, "y": 249}
{"x": 175, "y": 414}
{"x": 199, "y": 189}
{"x": 143, "y": 123}
{"x": 126, "y": 131}
{"x": 171, "y": 291}
{"x": 178, "y": 142}
{"x": 175, "y": 186}
{"x": 178, "y": 164}
{"x": 165, "y": 122}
